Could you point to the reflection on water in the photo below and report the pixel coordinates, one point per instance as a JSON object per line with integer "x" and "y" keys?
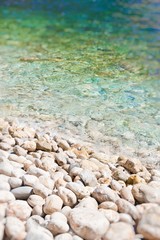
{"x": 92, "y": 63}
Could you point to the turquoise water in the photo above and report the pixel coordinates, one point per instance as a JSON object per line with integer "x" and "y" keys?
{"x": 92, "y": 64}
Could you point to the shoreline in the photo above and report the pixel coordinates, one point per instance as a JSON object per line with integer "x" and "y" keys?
{"x": 55, "y": 188}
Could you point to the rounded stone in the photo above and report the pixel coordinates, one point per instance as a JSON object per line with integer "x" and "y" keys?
{"x": 52, "y": 204}
{"x": 88, "y": 223}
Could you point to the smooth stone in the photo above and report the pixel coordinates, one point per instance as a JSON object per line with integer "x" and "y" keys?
{"x": 15, "y": 182}
{"x": 19, "y": 151}
{"x": 34, "y": 222}
{"x": 32, "y": 170}
{"x": 124, "y": 217}
{"x": 64, "y": 145}
{"x": 61, "y": 158}
{"x": 88, "y": 223}
{"x": 6, "y": 196}
{"x": 35, "y": 200}
{"x": 88, "y": 178}
{"x": 19, "y": 209}
{"x": 29, "y": 180}
{"x": 41, "y": 190}
{"x": 149, "y": 224}
{"x": 47, "y": 182}
{"x": 39, "y": 233}
{"x": 120, "y": 174}
{"x": 133, "y": 165}
{"x": 5, "y": 146}
{"x": 22, "y": 193}
{"x": 44, "y": 146}
{"x": 111, "y": 215}
{"x": 6, "y": 168}
{"x": 15, "y": 228}
{"x": 52, "y": 204}
{"x": 64, "y": 236}
{"x": 80, "y": 190}
{"x": 68, "y": 197}
{"x": 108, "y": 205}
{"x": 58, "y": 224}
{"x": 88, "y": 164}
{"x": 88, "y": 202}
{"x": 30, "y": 146}
{"x": 17, "y": 172}
{"x": 119, "y": 231}
{"x": 126, "y": 207}
{"x": 38, "y": 210}
{"x": 126, "y": 193}
{"x": 5, "y": 186}
{"x": 104, "y": 193}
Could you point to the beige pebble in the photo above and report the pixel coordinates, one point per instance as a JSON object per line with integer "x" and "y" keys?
{"x": 88, "y": 223}
{"x": 15, "y": 228}
{"x": 6, "y": 196}
{"x": 80, "y": 190}
{"x": 119, "y": 231}
{"x": 88, "y": 202}
{"x": 104, "y": 193}
{"x": 15, "y": 158}
{"x": 44, "y": 145}
{"x": 29, "y": 180}
{"x": 133, "y": 165}
{"x": 61, "y": 158}
{"x": 46, "y": 181}
{"x": 88, "y": 164}
{"x": 126, "y": 193}
{"x": 64, "y": 145}
{"x": 19, "y": 209}
{"x": 110, "y": 214}
{"x": 36, "y": 171}
{"x": 41, "y": 190}
{"x": 5, "y": 186}
{"x": 30, "y": 146}
{"x": 120, "y": 174}
{"x": 5, "y": 146}
{"x": 126, "y": 207}
{"x": 6, "y": 168}
{"x": 38, "y": 210}
{"x": 17, "y": 172}
{"x": 68, "y": 197}
{"x": 52, "y": 204}
{"x": 124, "y": 217}
{"x": 88, "y": 178}
{"x": 35, "y": 200}
{"x": 58, "y": 224}
{"x": 108, "y": 205}
{"x": 149, "y": 224}
{"x": 19, "y": 151}
{"x": 115, "y": 185}
{"x": 39, "y": 233}
{"x": 64, "y": 236}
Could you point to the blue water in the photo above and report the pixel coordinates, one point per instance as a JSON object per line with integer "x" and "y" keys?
{"x": 94, "y": 65}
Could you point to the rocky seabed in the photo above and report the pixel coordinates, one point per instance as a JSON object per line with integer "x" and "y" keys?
{"x": 54, "y": 188}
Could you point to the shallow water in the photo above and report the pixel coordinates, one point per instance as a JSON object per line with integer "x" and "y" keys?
{"x": 92, "y": 64}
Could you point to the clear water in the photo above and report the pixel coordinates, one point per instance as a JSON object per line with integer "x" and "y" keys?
{"x": 94, "y": 64}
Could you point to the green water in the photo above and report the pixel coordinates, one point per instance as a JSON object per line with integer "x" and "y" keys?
{"x": 94, "y": 64}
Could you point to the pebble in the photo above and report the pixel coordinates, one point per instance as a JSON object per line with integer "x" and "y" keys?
{"x": 104, "y": 193}
{"x": 6, "y": 196}
{"x": 43, "y": 145}
{"x": 88, "y": 178}
{"x": 68, "y": 197}
{"x": 52, "y": 204}
{"x": 126, "y": 207}
{"x": 79, "y": 190}
{"x": 108, "y": 205}
{"x": 88, "y": 223}
{"x": 6, "y": 168}
{"x": 111, "y": 215}
{"x": 39, "y": 233}
{"x": 58, "y": 224}
{"x": 30, "y": 146}
{"x": 15, "y": 182}
{"x": 19, "y": 209}
{"x": 22, "y": 192}
{"x": 149, "y": 224}
{"x": 41, "y": 190}
{"x": 119, "y": 231}
{"x": 15, "y": 228}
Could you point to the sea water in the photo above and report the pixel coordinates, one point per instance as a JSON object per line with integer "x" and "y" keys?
{"x": 92, "y": 64}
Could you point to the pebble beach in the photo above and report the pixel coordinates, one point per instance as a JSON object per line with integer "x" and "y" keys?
{"x": 53, "y": 187}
